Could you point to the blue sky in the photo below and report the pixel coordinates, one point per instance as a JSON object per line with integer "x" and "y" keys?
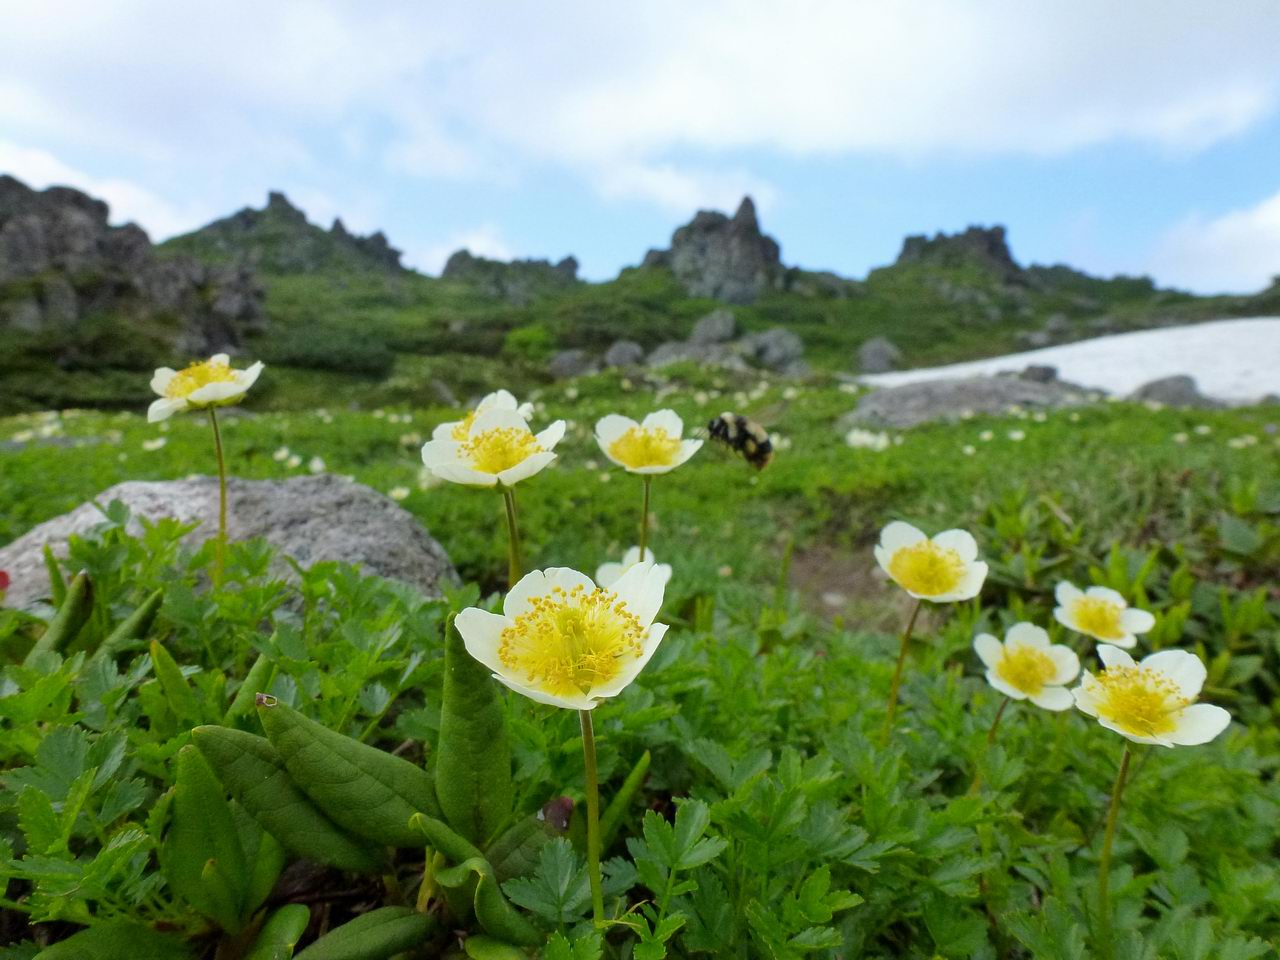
{"x": 1141, "y": 137}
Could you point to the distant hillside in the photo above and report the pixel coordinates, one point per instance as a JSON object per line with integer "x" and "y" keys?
{"x": 279, "y": 239}
{"x": 344, "y": 322}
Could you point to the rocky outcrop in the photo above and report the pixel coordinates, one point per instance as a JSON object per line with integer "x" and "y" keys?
{"x": 518, "y": 282}
{"x": 623, "y": 353}
{"x": 571, "y": 363}
{"x": 716, "y": 327}
{"x": 725, "y": 258}
{"x": 1176, "y": 391}
{"x": 310, "y": 519}
{"x": 952, "y": 399}
{"x": 774, "y": 349}
{"x": 62, "y": 264}
{"x": 879, "y": 355}
{"x": 278, "y": 239}
{"x": 985, "y": 247}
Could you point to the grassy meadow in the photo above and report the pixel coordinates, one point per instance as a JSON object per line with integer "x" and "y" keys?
{"x": 753, "y": 808}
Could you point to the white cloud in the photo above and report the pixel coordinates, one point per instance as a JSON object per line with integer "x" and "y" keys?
{"x": 128, "y": 201}
{"x": 485, "y": 240}
{"x": 680, "y": 191}
{"x": 1236, "y": 252}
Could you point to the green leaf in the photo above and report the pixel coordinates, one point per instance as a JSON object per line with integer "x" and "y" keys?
{"x": 473, "y": 757}
{"x": 73, "y": 613}
{"x": 613, "y": 815}
{"x": 480, "y": 947}
{"x": 177, "y": 692}
{"x": 375, "y": 935}
{"x": 585, "y": 947}
{"x": 255, "y": 775}
{"x": 203, "y": 860}
{"x": 364, "y": 790}
{"x": 280, "y": 934}
{"x": 559, "y": 891}
{"x": 515, "y": 853}
{"x": 132, "y": 628}
{"x": 495, "y": 914}
{"x": 118, "y": 941}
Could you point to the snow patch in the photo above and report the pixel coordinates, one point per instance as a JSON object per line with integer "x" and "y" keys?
{"x": 1235, "y": 360}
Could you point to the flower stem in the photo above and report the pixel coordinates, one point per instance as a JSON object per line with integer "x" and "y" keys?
{"x": 220, "y": 548}
{"x": 513, "y": 538}
{"x": 991, "y": 739}
{"x": 1104, "y": 864}
{"x": 644, "y": 517}
{"x": 593, "y": 817}
{"x": 897, "y": 674}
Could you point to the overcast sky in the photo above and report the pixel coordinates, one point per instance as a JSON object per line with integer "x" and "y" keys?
{"x": 1118, "y": 137}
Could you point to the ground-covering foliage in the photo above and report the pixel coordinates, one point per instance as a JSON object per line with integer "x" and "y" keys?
{"x": 752, "y": 807}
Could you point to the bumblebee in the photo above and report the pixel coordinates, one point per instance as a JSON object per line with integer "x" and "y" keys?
{"x": 744, "y": 437}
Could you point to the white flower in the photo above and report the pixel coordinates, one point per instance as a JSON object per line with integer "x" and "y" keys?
{"x": 564, "y": 641}
{"x": 867, "y": 440}
{"x": 498, "y": 400}
{"x": 1017, "y": 435}
{"x": 609, "y": 573}
{"x": 1101, "y": 613}
{"x": 968, "y": 449}
{"x": 654, "y": 446}
{"x": 294, "y": 461}
{"x": 281, "y": 454}
{"x": 1152, "y": 701}
{"x": 398, "y": 493}
{"x": 943, "y": 569}
{"x": 986, "y": 435}
{"x": 211, "y": 383}
{"x": 498, "y": 448}
{"x": 154, "y": 444}
{"x": 1204, "y": 429}
{"x": 1027, "y": 667}
{"x": 316, "y": 465}
{"x": 1180, "y": 437}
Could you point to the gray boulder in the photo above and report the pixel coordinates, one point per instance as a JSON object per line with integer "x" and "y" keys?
{"x": 916, "y": 403}
{"x": 1039, "y": 373}
{"x": 879, "y": 355}
{"x": 623, "y": 353}
{"x": 571, "y": 363}
{"x": 1175, "y": 391}
{"x": 703, "y": 354}
{"x": 725, "y": 258}
{"x": 775, "y": 349}
{"x": 716, "y": 327}
{"x": 310, "y": 519}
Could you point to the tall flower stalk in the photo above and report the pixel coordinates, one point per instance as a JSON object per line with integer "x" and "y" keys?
{"x": 206, "y": 386}
{"x": 513, "y": 538}
{"x": 1104, "y": 862}
{"x": 942, "y": 569}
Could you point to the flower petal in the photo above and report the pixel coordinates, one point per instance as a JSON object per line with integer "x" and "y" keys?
{"x": 1004, "y": 687}
{"x": 641, "y": 588}
{"x": 498, "y": 400}
{"x": 551, "y": 700}
{"x": 687, "y": 449}
{"x": 552, "y": 435}
{"x": 1066, "y": 592}
{"x": 439, "y": 450}
{"x": 961, "y": 541}
{"x": 1086, "y": 701}
{"x": 567, "y": 578}
{"x": 1106, "y": 593}
{"x": 1024, "y": 634}
{"x": 215, "y": 393}
{"x": 481, "y": 633}
{"x": 1199, "y": 723}
{"x": 220, "y": 359}
{"x": 990, "y": 650}
{"x": 1159, "y": 741}
{"x": 461, "y": 473}
{"x": 607, "y": 574}
{"x": 1183, "y": 668}
{"x": 498, "y": 418}
{"x": 526, "y": 468}
{"x": 1066, "y": 661}
{"x": 970, "y": 584}
{"x": 632, "y": 670}
{"x": 668, "y": 420}
{"x": 1113, "y": 656}
{"x": 247, "y": 378}
{"x": 161, "y": 379}
{"x": 1134, "y": 620}
{"x": 899, "y": 534}
{"x": 610, "y": 427}
{"x": 1054, "y": 698}
{"x": 444, "y": 431}
{"x": 164, "y": 408}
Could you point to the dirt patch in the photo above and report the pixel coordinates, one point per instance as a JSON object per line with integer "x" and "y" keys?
{"x": 846, "y": 583}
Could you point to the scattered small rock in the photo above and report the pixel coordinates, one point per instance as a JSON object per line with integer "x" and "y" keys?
{"x": 571, "y": 363}
{"x": 623, "y": 353}
{"x": 716, "y": 327}
{"x": 1176, "y": 391}
{"x": 879, "y": 355}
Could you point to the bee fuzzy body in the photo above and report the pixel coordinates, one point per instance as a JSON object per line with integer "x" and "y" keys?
{"x": 744, "y": 437}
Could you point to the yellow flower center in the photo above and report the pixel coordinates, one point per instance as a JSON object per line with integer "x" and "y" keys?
{"x": 463, "y": 427}
{"x": 1138, "y": 700}
{"x": 188, "y": 381}
{"x": 1098, "y": 617}
{"x": 927, "y": 569}
{"x": 570, "y": 642}
{"x": 1026, "y": 669}
{"x": 645, "y": 447}
{"x": 492, "y": 451}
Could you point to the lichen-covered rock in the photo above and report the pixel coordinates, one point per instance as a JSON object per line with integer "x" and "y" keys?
{"x": 62, "y": 265}
{"x": 950, "y": 399}
{"x": 518, "y": 282}
{"x": 879, "y": 355}
{"x": 571, "y": 363}
{"x": 985, "y": 247}
{"x": 1176, "y": 391}
{"x": 310, "y": 519}
{"x": 775, "y": 349}
{"x": 704, "y": 354}
{"x": 624, "y": 353}
{"x": 725, "y": 258}
{"x": 716, "y": 327}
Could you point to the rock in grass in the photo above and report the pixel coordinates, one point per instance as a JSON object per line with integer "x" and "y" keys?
{"x": 311, "y": 519}
{"x": 916, "y": 403}
{"x": 1176, "y": 391}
